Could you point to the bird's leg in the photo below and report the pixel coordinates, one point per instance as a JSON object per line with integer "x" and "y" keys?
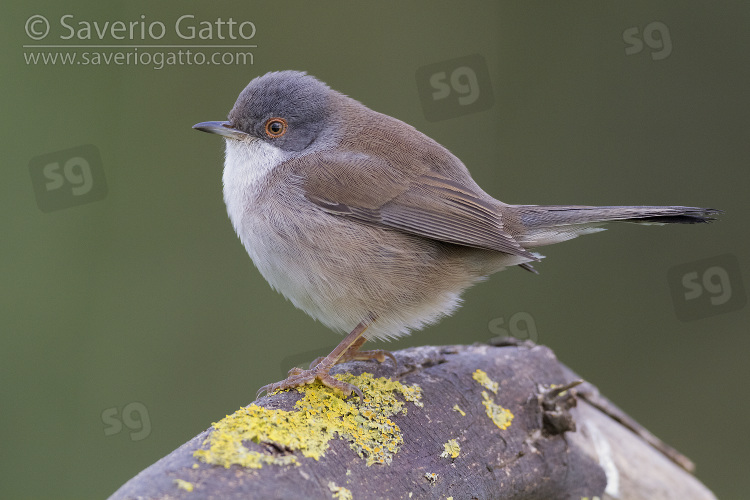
{"x": 354, "y": 354}
{"x": 348, "y": 349}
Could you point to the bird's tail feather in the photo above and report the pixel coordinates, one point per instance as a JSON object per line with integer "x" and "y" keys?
{"x": 548, "y": 224}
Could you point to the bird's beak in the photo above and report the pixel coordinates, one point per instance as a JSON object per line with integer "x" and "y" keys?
{"x": 221, "y": 128}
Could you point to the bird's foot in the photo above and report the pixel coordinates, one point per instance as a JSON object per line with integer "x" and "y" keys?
{"x": 378, "y": 355}
{"x": 298, "y": 377}
{"x": 347, "y": 350}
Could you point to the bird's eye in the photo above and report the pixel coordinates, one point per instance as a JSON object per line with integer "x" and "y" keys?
{"x": 275, "y": 127}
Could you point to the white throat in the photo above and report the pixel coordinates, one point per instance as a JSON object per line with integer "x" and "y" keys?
{"x": 246, "y": 169}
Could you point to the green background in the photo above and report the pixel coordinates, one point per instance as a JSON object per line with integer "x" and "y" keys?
{"x": 147, "y": 296}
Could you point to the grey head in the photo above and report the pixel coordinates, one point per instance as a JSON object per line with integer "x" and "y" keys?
{"x": 289, "y": 109}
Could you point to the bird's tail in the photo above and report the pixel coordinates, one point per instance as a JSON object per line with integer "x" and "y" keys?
{"x": 548, "y": 224}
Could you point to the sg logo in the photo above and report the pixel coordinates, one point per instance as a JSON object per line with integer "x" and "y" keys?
{"x": 68, "y": 178}
{"x": 463, "y": 80}
{"x": 454, "y": 88}
{"x": 707, "y": 287}
{"x": 715, "y": 282}
{"x": 76, "y": 171}
{"x": 656, "y": 36}
{"x": 134, "y": 416}
{"x": 520, "y": 326}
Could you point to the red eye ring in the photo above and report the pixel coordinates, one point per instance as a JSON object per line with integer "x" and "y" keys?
{"x": 276, "y": 127}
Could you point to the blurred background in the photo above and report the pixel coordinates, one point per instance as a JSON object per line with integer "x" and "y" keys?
{"x": 131, "y": 317}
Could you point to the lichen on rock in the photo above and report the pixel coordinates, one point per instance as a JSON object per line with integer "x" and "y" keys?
{"x": 318, "y": 417}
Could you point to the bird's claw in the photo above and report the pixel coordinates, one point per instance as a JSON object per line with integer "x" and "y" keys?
{"x": 298, "y": 377}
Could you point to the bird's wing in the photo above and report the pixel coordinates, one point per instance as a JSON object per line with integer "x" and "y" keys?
{"x": 418, "y": 201}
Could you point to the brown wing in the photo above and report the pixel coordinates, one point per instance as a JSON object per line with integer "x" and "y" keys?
{"x": 416, "y": 201}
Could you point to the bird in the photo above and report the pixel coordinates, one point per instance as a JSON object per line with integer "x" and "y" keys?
{"x": 370, "y": 226}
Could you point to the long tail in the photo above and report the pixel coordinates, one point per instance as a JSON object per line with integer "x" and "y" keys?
{"x": 548, "y": 224}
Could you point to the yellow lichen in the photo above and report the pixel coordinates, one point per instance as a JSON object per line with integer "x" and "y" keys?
{"x": 452, "y": 449}
{"x": 484, "y": 379}
{"x": 340, "y": 492}
{"x": 501, "y": 416}
{"x": 319, "y": 416}
{"x": 459, "y": 410}
{"x": 185, "y": 485}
